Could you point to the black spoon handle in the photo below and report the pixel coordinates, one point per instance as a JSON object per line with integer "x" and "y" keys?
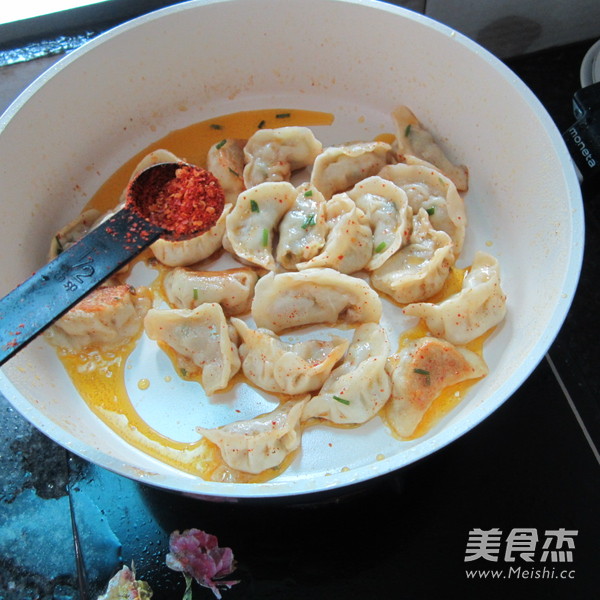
{"x": 50, "y": 292}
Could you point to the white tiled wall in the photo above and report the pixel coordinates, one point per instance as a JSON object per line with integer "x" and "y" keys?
{"x": 512, "y": 27}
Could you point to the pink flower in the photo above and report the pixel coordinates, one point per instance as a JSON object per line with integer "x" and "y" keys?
{"x": 197, "y": 554}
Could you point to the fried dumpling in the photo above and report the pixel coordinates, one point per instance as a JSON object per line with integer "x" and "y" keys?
{"x": 355, "y": 391}
{"x": 105, "y": 319}
{"x": 264, "y": 442}
{"x": 201, "y": 341}
{"x": 286, "y": 368}
{"x": 419, "y": 270}
{"x": 303, "y": 229}
{"x": 225, "y": 160}
{"x": 338, "y": 168}
{"x": 73, "y": 232}
{"x": 419, "y": 374}
{"x": 187, "y": 252}
{"x": 349, "y": 243}
{"x": 414, "y": 139}
{"x": 253, "y": 222}
{"x": 428, "y": 188}
{"x": 233, "y": 289}
{"x": 386, "y": 208}
{"x": 313, "y": 296}
{"x": 479, "y": 306}
{"x": 273, "y": 154}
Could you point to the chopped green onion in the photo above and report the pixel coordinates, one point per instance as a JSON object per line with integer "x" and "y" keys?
{"x": 381, "y": 247}
{"x": 195, "y": 293}
{"x": 183, "y": 372}
{"x": 261, "y": 124}
{"x": 283, "y": 116}
{"x": 216, "y": 126}
{"x": 234, "y": 172}
{"x": 407, "y": 130}
{"x": 426, "y": 373}
{"x": 308, "y": 193}
{"x": 220, "y": 144}
{"x": 430, "y": 210}
{"x": 265, "y": 237}
{"x": 342, "y": 400}
{"x": 309, "y": 221}
{"x": 254, "y": 206}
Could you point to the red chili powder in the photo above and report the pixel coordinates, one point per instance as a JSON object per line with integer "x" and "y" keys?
{"x": 185, "y": 200}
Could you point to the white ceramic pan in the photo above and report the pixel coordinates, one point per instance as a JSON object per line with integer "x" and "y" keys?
{"x": 69, "y": 131}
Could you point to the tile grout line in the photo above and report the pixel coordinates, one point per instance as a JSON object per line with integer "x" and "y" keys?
{"x": 79, "y": 560}
{"x": 578, "y": 418}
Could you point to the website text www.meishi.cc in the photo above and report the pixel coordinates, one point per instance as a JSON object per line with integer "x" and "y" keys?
{"x": 527, "y": 553}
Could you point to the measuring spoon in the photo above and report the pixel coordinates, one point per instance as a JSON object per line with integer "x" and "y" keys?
{"x": 60, "y": 284}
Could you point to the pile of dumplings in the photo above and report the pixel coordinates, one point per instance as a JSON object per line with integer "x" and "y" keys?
{"x": 369, "y": 219}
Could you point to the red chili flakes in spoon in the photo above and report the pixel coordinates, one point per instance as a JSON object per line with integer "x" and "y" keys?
{"x": 182, "y": 199}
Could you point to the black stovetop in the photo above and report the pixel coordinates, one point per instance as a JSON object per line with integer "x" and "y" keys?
{"x": 528, "y": 477}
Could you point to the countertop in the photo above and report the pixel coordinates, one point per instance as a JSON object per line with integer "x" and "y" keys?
{"x": 531, "y": 470}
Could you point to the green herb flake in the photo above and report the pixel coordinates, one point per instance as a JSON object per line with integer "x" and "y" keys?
{"x": 183, "y": 372}
{"x": 430, "y": 210}
{"x": 195, "y": 293}
{"x": 261, "y": 124}
{"x": 342, "y": 400}
{"x": 234, "y": 173}
{"x": 426, "y": 373}
{"x": 380, "y": 247}
{"x": 254, "y": 206}
{"x": 309, "y": 221}
{"x": 283, "y": 115}
{"x": 216, "y": 126}
{"x": 308, "y": 193}
{"x": 407, "y": 130}
{"x": 220, "y": 144}
{"x": 265, "y": 237}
